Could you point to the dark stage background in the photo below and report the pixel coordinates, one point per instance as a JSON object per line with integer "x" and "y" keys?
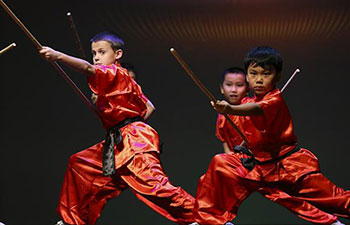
{"x": 43, "y": 122}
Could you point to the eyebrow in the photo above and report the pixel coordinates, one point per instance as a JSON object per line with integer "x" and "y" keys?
{"x": 267, "y": 67}
{"x": 100, "y": 48}
{"x": 267, "y": 70}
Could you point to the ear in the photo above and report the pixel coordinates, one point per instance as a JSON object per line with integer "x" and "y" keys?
{"x": 246, "y": 77}
{"x": 221, "y": 89}
{"x": 118, "y": 54}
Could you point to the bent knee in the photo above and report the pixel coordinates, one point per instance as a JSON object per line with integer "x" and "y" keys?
{"x": 225, "y": 160}
{"x": 74, "y": 160}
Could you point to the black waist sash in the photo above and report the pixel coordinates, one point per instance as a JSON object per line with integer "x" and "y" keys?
{"x": 250, "y": 162}
{"x": 113, "y": 138}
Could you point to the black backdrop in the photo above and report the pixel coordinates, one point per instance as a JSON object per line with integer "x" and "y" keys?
{"x": 43, "y": 122}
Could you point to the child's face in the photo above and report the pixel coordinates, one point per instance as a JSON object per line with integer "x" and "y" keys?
{"x": 261, "y": 80}
{"x": 104, "y": 54}
{"x": 234, "y": 88}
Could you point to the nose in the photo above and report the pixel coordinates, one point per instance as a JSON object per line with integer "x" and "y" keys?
{"x": 259, "y": 79}
{"x": 234, "y": 89}
{"x": 95, "y": 59}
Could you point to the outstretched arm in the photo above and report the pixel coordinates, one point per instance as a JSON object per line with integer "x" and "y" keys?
{"x": 248, "y": 109}
{"x": 77, "y": 64}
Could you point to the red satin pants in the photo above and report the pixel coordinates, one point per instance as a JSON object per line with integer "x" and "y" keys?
{"x": 294, "y": 182}
{"x": 85, "y": 190}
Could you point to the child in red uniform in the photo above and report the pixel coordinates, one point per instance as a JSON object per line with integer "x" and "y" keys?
{"x": 234, "y": 87}
{"x": 273, "y": 160}
{"x": 129, "y": 157}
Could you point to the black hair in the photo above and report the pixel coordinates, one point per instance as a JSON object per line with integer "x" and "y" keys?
{"x": 112, "y": 38}
{"x": 232, "y": 70}
{"x": 264, "y": 56}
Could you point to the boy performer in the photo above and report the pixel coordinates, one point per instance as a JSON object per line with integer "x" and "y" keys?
{"x": 129, "y": 157}
{"x": 273, "y": 159}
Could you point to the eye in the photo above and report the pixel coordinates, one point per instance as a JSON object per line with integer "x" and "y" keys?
{"x": 240, "y": 85}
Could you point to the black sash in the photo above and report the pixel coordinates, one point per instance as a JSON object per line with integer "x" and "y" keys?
{"x": 250, "y": 162}
{"x": 113, "y": 138}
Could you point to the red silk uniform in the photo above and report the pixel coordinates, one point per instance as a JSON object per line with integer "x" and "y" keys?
{"x": 226, "y": 133}
{"x": 85, "y": 190}
{"x": 294, "y": 181}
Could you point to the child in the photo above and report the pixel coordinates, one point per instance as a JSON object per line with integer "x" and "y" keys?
{"x": 129, "y": 157}
{"x": 234, "y": 87}
{"x": 273, "y": 159}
